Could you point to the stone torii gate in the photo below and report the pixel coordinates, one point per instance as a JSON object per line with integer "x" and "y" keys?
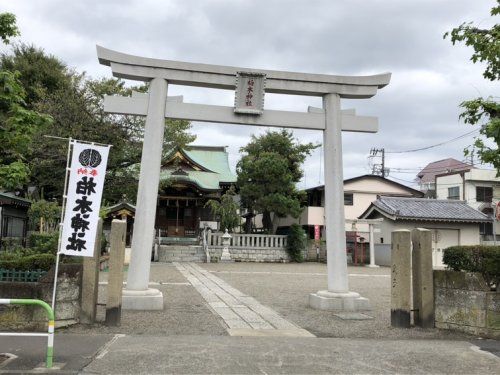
{"x": 250, "y": 86}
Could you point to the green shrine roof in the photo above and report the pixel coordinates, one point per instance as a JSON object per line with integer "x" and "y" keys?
{"x": 208, "y": 167}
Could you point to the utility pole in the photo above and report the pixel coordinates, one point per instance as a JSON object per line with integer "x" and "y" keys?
{"x": 379, "y": 169}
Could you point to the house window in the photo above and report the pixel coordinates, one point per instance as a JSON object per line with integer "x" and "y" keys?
{"x": 454, "y": 192}
{"x": 348, "y": 200}
{"x": 486, "y": 229}
{"x": 484, "y": 194}
{"x": 13, "y": 227}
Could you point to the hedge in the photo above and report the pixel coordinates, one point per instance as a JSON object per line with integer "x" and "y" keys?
{"x": 482, "y": 259}
{"x": 21, "y": 262}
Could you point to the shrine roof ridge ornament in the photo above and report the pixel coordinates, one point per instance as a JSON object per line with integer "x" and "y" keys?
{"x": 223, "y": 77}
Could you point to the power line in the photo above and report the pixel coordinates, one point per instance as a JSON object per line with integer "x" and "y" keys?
{"x": 436, "y": 145}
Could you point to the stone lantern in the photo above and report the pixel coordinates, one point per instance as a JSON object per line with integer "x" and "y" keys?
{"x": 226, "y": 256}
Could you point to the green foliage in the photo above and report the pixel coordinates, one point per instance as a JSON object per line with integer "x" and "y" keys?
{"x": 297, "y": 241}
{"x": 485, "y": 112}
{"x": 44, "y": 243}
{"x": 268, "y": 172}
{"x": 226, "y": 210}
{"x": 17, "y": 128}
{"x": 482, "y": 259}
{"x": 176, "y": 136}
{"x": 44, "y": 215}
{"x": 26, "y": 262}
{"x": 11, "y": 244}
{"x": 13, "y": 175}
{"x": 8, "y": 28}
{"x": 40, "y": 73}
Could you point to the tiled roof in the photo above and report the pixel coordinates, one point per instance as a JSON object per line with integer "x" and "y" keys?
{"x": 215, "y": 162}
{"x": 426, "y": 209}
{"x": 11, "y": 199}
{"x": 429, "y": 173}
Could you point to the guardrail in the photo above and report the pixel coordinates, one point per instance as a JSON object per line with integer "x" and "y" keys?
{"x": 49, "y": 334}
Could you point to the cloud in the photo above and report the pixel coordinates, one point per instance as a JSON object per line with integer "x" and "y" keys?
{"x": 419, "y": 107}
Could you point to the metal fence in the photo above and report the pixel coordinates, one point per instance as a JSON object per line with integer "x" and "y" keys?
{"x": 22, "y": 276}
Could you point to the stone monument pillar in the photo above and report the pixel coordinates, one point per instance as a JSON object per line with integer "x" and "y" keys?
{"x": 423, "y": 278}
{"x": 401, "y": 278}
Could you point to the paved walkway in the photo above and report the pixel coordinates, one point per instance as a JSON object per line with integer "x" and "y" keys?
{"x": 243, "y": 314}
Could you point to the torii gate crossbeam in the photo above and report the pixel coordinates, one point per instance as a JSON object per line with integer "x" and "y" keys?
{"x": 156, "y": 106}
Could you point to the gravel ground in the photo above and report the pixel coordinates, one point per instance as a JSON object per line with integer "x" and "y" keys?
{"x": 282, "y": 287}
{"x": 185, "y": 311}
{"x": 286, "y": 287}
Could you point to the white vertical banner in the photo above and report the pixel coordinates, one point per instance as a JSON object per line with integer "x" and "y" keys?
{"x": 83, "y": 202}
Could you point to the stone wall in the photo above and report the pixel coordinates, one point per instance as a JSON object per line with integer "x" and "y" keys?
{"x": 314, "y": 254}
{"x": 270, "y": 255}
{"x": 24, "y": 318}
{"x": 463, "y": 302}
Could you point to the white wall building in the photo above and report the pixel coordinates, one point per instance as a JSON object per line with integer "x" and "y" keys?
{"x": 359, "y": 193}
{"x": 480, "y": 188}
{"x": 452, "y": 223}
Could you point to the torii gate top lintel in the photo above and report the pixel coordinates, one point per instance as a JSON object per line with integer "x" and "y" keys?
{"x": 222, "y": 77}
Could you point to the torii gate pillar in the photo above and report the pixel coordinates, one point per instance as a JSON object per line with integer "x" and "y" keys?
{"x": 250, "y": 86}
{"x": 338, "y": 296}
{"x": 137, "y": 295}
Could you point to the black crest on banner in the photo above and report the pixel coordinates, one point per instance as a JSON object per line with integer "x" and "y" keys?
{"x": 90, "y": 158}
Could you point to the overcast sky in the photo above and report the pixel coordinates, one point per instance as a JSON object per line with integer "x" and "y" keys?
{"x": 419, "y": 108}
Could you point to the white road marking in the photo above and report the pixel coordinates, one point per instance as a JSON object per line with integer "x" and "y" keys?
{"x": 104, "y": 350}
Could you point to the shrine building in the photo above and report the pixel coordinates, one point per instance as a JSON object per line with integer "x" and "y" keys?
{"x": 189, "y": 177}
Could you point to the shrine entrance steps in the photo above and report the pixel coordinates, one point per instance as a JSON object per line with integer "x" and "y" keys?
{"x": 181, "y": 253}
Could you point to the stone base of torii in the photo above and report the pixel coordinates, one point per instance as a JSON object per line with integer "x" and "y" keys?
{"x": 331, "y": 119}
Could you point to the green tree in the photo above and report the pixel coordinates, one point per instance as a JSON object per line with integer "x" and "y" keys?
{"x": 8, "y": 28}
{"x": 44, "y": 215}
{"x": 268, "y": 172}
{"x": 483, "y": 111}
{"x": 17, "y": 122}
{"x": 226, "y": 210}
{"x": 176, "y": 136}
{"x": 40, "y": 73}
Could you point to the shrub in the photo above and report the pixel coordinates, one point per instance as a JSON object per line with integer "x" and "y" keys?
{"x": 482, "y": 259}
{"x": 296, "y": 242}
{"x": 11, "y": 244}
{"x": 44, "y": 243}
{"x": 21, "y": 262}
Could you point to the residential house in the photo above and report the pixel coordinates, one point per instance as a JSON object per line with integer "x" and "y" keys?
{"x": 480, "y": 188}
{"x": 452, "y": 223}
{"x": 359, "y": 193}
{"x": 427, "y": 176}
{"x": 13, "y": 217}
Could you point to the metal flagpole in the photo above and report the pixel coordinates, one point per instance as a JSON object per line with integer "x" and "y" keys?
{"x": 61, "y": 222}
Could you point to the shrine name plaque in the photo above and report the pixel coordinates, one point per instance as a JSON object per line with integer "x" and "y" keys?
{"x": 249, "y": 95}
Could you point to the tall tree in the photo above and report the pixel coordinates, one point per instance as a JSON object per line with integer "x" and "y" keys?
{"x": 483, "y": 111}
{"x": 268, "y": 172}
{"x": 17, "y": 122}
